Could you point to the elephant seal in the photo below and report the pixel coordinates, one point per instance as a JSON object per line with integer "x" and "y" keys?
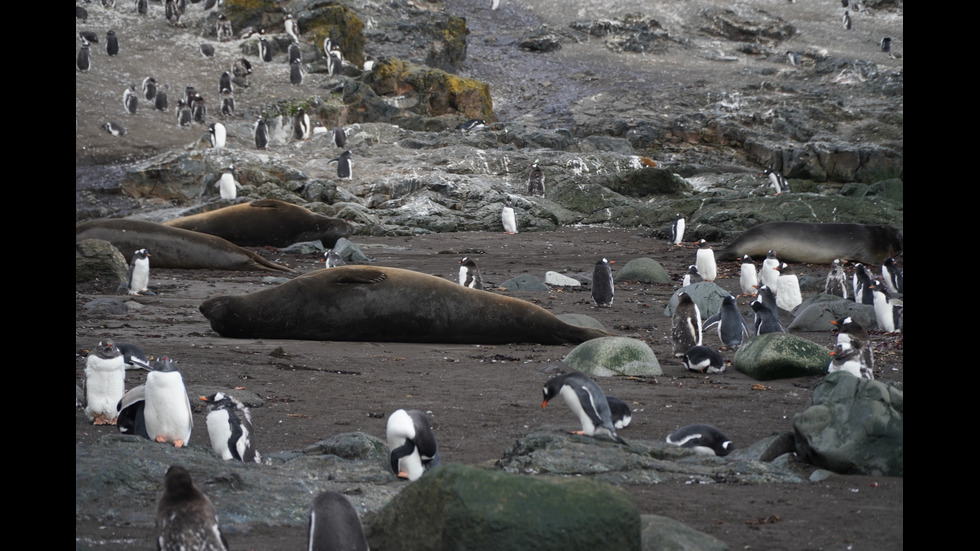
{"x": 370, "y": 303}
{"x": 816, "y": 243}
{"x": 266, "y": 222}
{"x": 174, "y": 247}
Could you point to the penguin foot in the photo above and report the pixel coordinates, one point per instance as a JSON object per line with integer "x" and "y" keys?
{"x": 402, "y": 474}
{"x": 178, "y": 443}
{"x": 582, "y": 432}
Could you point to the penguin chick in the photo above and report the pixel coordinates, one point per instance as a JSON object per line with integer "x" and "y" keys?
{"x": 105, "y": 380}
{"x": 769, "y": 272}
{"x": 469, "y": 274}
{"x": 703, "y": 439}
{"x": 603, "y": 288}
{"x": 584, "y": 397}
{"x": 848, "y": 358}
{"x": 230, "y": 429}
{"x": 836, "y": 283}
{"x": 186, "y": 518}
{"x": 788, "y": 294}
{"x": 412, "y": 443}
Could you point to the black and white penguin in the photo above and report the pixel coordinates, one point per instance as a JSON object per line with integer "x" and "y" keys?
{"x": 846, "y": 20}
{"x": 294, "y": 53}
{"x": 469, "y": 274}
{"x": 894, "y": 280}
{"x": 139, "y": 273}
{"x": 167, "y": 408}
{"x": 291, "y": 26}
{"x": 217, "y": 134}
{"x": 685, "y": 325}
{"x": 508, "y": 218}
{"x": 848, "y": 358}
{"x": 887, "y": 310}
{"x": 703, "y": 359}
{"x": 223, "y": 29}
{"x": 133, "y": 356}
{"x": 705, "y": 261}
{"x": 130, "y": 417}
{"x": 224, "y": 83}
{"x": 227, "y": 103}
{"x": 84, "y": 60}
{"x": 334, "y": 525}
{"x": 535, "y": 181}
{"x": 344, "y": 166}
{"x": 230, "y": 428}
{"x": 265, "y": 49}
{"x": 584, "y": 397}
{"x": 732, "y": 329}
{"x": 111, "y": 43}
{"x": 149, "y": 89}
{"x": 335, "y": 61}
{"x": 160, "y": 101}
{"x": 412, "y": 443}
{"x": 836, "y": 283}
{"x": 186, "y": 518}
{"x": 241, "y": 68}
{"x": 494, "y": 4}
{"x": 199, "y": 109}
{"x": 261, "y": 132}
{"x": 677, "y": 230}
{"x": 296, "y": 73}
{"x": 748, "y": 277}
{"x": 332, "y": 259}
{"x": 227, "y": 185}
{"x": 850, "y": 334}
{"x": 105, "y": 380}
{"x": 473, "y": 124}
{"x": 327, "y": 45}
{"x": 766, "y": 319}
{"x": 776, "y": 180}
{"x": 793, "y": 58}
{"x": 620, "y": 412}
{"x": 207, "y": 50}
{"x": 108, "y": 4}
{"x": 769, "y": 272}
{"x": 131, "y": 99}
{"x": 767, "y": 298}
{"x": 339, "y": 137}
{"x": 114, "y": 128}
{"x": 788, "y": 294}
{"x": 189, "y": 93}
{"x": 603, "y": 287}
{"x": 691, "y": 276}
{"x": 886, "y": 44}
{"x": 171, "y": 12}
{"x": 703, "y": 439}
{"x": 184, "y": 115}
{"x": 141, "y": 7}
{"x": 301, "y": 125}
{"x": 861, "y": 283}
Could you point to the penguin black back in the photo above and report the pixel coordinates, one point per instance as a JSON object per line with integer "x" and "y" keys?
{"x": 334, "y": 525}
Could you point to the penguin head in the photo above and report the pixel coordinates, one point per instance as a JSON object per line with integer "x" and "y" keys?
{"x": 141, "y": 254}
{"x": 164, "y": 364}
{"x": 107, "y": 349}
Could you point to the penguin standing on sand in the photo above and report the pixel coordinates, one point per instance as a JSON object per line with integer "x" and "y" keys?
{"x": 105, "y": 380}
{"x": 339, "y": 137}
{"x": 131, "y": 99}
{"x": 776, "y": 181}
{"x": 294, "y": 52}
{"x": 469, "y": 274}
{"x": 703, "y": 359}
{"x": 334, "y": 524}
{"x": 893, "y": 277}
{"x": 861, "y": 282}
{"x": 149, "y": 89}
{"x": 184, "y": 115}
{"x": 603, "y": 287}
{"x": 412, "y": 443}
{"x": 685, "y": 324}
{"x": 731, "y": 325}
{"x": 227, "y": 185}
{"x": 344, "y": 165}
{"x": 836, "y": 280}
{"x": 227, "y": 103}
{"x": 160, "y": 101}
{"x": 84, "y": 60}
{"x": 677, "y": 230}
{"x": 705, "y": 261}
{"x": 186, "y": 518}
{"x": 788, "y": 294}
{"x": 887, "y": 310}
{"x": 769, "y": 272}
{"x": 224, "y": 82}
{"x": 748, "y": 277}
{"x": 199, "y": 108}
{"x": 139, "y": 273}
{"x": 535, "y": 181}
{"x": 111, "y": 43}
{"x": 703, "y": 439}
{"x": 230, "y": 429}
{"x": 509, "y": 218}
{"x": 141, "y": 7}
{"x": 584, "y": 397}
{"x": 217, "y": 134}
{"x": 846, "y": 21}
{"x": 265, "y": 49}
{"x": 766, "y": 319}
{"x": 886, "y": 44}
{"x": 692, "y": 276}
{"x": 261, "y": 134}
{"x": 301, "y": 125}
{"x": 296, "y": 73}
{"x": 167, "y": 408}
{"x": 848, "y": 358}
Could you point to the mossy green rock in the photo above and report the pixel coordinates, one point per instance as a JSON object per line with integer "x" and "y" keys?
{"x": 460, "y": 507}
{"x": 435, "y": 91}
{"x": 646, "y": 270}
{"x": 781, "y": 356}
{"x": 608, "y": 356}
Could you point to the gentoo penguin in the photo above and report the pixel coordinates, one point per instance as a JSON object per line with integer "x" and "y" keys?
{"x": 131, "y": 99}
{"x": 167, "y": 408}
{"x": 767, "y": 298}
{"x": 160, "y": 101}
{"x": 887, "y": 309}
{"x": 340, "y": 137}
{"x": 111, "y": 43}
{"x": 861, "y": 282}
{"x": 584, "y": 397}
{"x": 850, "y": 335}
{"x": 296, "y": 73}
{"x": 335, "y": 62}
{"x": 620, "y": 412}
{"x": 677, "y": 230}
{"x": 846, "y": 21}
{"x": 199, "y": 109}
{"x": 294, "y": 52}
{"x": 186, "y": 518}
{"x": 766, "y": 320}
{"x": 848, "y": 358}
{"x": 692, "y": 276}
{"x": 105, "y": 379}
{"x": 131, "y": 419}
{"x": 776, "y": 180}
{"x": 705, "y": 261}
{"x": 224, "y": 82}
{"x": 334, "y": 525}
{"x": 89, "y": 36}
{"x": 508, "y": 218}
{"x": 793, "y": 58}
{"x": 473, "y": 124}
{"x": 344, "y": 166}
{"x": 207, "y": 50}
{"x": 227, "y": 103}
{"x": 748, "y": 278}
{"x": 139, "y": 272}
{"x": 141, "y": 7}
{"x": 469, "y": 274}
{"x": 149, "y": 89}
{"x": 412, "y": 443}
{"x": 171, "y": 12}
{"x": 230, "y": 429}
{"x": 836, "y": 280}
{"x": 83, "y": 61}
{"x": 114, "y": 128}
{"x": 223, "y": 28}
{"x": 189, "y": 93}
{"x": 217, "y": 134}
{"x": 603, "y": 288}
{"x": 184, "y": 115}
{"x": 535, "y": 181}
{"x": 292, "y": 29}
{"x": 261, "y": 134}
{"x": 133, "y": 356}
{"x": 703, "y": 359}
{"x": 685, "y": 325}
{"x": 731, "y": 325}
{"x": 892, "y": 275}
{"x": 703, "y": 439}
{"x": 327, "y": 45}
{"x": 886, "y": 44}
{"x": 265, "y": 49}
{"x": 769, "y": 272}
{"x": 788, "y": 294}
{"x": 227, "y": 185}
{"x": 332, "y": 259}
{"x": 241, "y": 68}
{"x": 301, "y": 125}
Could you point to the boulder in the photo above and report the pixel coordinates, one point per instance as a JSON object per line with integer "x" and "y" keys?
{"x": 608, "y": 356}
{"x": 781, "y": 356}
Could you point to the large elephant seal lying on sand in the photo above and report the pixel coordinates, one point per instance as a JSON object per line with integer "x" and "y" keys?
{"x": 266, "y": 222}
{"x": 368, "y": 303}
{"x": 816, "y": 243}
{"x": 173, "y": 247}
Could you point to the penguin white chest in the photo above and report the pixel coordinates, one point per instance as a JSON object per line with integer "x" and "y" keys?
{"x": 509, "y": 220}
{"x": 105, "y": 381}
{"x": 219, "y": 432}
{"x": 706, "y": 264}
{"x": 788, "y": 292}
{"x": 575, "y": 403}
{"x": 748, "y": 279}
{"x": 140, "y": 280}
{"x": 227, "y": 186}
{"x": 167, "y": 409}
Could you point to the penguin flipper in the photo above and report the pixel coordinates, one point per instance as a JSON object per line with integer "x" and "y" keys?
{"x": 712, "y": 321}
{"x": 398, "y": 453}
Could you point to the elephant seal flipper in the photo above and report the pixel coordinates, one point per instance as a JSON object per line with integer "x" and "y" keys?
{"x": 816, "y": 243}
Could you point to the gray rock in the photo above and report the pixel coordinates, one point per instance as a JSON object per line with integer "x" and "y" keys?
{"x": 581, "y": 320}
{"x": 666, "y": 534}
{"x": 559, "y": 280}
{"x": 646, "y": 270}
{"x": 524, "y": 283}
{"x": 608, "y": 356}
{"x": 816, "y": 313}
{"x": 781, "y": 356}
{"x": 706, "y": 294}
{"x": 350, "y": 253}
{"x": 97, "y": 260}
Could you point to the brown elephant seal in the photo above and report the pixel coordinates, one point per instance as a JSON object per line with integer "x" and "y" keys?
{"x": 174, "y": 247}
{"x": 816, "y": 243}
{"x": 266, "y": 222}
{"x": 369, "y": 303}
